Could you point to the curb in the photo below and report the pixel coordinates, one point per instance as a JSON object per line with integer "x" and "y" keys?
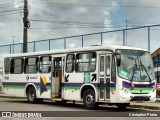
{"x": 145, "y": 107}
{"x": 2, "y": 95}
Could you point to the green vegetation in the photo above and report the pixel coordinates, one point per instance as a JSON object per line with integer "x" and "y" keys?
{"x": 0, "y": 88}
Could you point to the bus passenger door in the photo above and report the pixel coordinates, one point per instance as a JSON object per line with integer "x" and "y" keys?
{"x": 57, "y": 76}
{"x": 104, "y": 64}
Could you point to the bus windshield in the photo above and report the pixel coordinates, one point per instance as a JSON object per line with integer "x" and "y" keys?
{"x": 136, "y": 66}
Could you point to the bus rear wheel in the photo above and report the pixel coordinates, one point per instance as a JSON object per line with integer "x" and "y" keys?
{"x": 89, "y": 99}
{"x": 31, "y": 95}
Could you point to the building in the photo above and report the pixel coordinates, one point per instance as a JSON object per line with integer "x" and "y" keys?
{"x": 156, "y": 62}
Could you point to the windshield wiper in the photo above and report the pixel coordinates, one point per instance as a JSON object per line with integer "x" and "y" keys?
{"x": 145, "y": 71}
{"x": 134, "y": 69}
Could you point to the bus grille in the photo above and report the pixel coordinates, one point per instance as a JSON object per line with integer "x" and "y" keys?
{"x": 140, "y": 98}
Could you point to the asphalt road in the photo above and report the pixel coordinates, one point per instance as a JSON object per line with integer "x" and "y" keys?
{"x": 8, "y": 104}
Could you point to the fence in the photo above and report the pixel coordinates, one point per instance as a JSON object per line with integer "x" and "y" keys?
{"x": 145, "y": 37}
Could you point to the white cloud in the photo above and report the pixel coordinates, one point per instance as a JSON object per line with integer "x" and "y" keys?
{"x": 104, "y": 14}
{"x": 72, "y": 45}
{"x": 82, "y": 9}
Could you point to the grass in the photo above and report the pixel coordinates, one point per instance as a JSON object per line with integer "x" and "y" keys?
{"x": 0, "y": 88}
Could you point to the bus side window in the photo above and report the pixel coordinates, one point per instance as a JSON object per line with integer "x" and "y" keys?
{"x": 45, "y": 64}
{"x": 16, "y": 66}
{"x": 7, "y": 66}
{"x": 31, "y": 65}
{"x": 70, "y": 63}
{"x": 86, "y": 62}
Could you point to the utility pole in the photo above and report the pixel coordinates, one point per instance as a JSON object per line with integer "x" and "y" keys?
{"x": 26, "y": 26}
{"x": 13, "y": 43}
{"x": 126, "y": 27}
{"x": 126, "y": 30}
{"x": 126, "y": 22}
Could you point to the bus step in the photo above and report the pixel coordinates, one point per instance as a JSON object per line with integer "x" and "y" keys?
{"x": 57, "y": 99}
{"x": 56, "y": 93}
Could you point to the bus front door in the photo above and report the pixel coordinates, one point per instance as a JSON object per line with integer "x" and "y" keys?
{"x": 105, "y": 65}
{"x": 57, "y": 75}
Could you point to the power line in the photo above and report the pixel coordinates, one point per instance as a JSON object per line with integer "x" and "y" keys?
{"x": 42, "y": 11}
{"x": 71, "y": 22}
{"x": 11, "y": 10}
{"x": 79, "y": 23}
{"x": 38, "y": 10}
{"x": 9, "y": 14}
{"x": 93, "y": 5}
{"x": 8, "y": 4}
{"x": 72, "y": 27}
{"x": 75, "y": 22}
{"x": 5, "y": 4}
{"x": 48, "y": 13}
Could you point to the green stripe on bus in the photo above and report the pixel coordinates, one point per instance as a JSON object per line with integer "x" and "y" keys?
{"x": 48, "y": 87}
{"x": 142, "y": 88}
{"x": 112, "y": 88}
{"x": 14, "y": 86}
{"x": 70, "y": 87}
{"x": 76, "y": 87}
{"x": 138, "y": 89}
{"x": 21, "y": 86}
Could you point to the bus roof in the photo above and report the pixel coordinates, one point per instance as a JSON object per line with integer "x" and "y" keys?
{"x": 61, "y": 51}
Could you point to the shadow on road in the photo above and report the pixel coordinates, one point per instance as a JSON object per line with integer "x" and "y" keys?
{"x": 71, "y": 105}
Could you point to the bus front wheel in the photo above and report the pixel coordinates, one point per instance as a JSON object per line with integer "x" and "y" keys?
{"x": 89, "y": 99}
{"x": 31, "y": 95}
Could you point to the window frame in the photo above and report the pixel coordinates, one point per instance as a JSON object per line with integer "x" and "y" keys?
{"x": 73, "y": 63}
{"x": 9, "y": 67}
{"x": 85, "y": 62}
{"x": 37, "y": 65}
{"x": 41, "y": 64}
{"x": 13, "y": 66}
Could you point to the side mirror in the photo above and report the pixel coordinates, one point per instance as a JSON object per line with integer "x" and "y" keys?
{"x": 118, "y": 59}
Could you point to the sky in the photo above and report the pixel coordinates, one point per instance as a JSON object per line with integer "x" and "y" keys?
{"x": 61, "y": 18}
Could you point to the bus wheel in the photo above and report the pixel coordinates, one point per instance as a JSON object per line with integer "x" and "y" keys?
{"x": 31, "y": 95}
{"x": 89, "y": 99}
{"x": 122, "y": 106}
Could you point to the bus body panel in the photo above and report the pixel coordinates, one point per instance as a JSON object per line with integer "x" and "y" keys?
{"x": 70, "y": 87}
{"x": 16, "y": 84}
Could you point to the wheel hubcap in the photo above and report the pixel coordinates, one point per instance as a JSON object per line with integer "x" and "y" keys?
{"x": 32, "y": 95}
{"x": 89, "y": 99}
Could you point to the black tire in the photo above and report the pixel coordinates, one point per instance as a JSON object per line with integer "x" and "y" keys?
{"x": 31, "y": 95}
{"x": 122, "y": 106}
{"x": 89, "y": 100}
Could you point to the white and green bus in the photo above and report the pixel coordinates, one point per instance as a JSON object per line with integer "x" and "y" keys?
{"x": 92, "y": 75}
